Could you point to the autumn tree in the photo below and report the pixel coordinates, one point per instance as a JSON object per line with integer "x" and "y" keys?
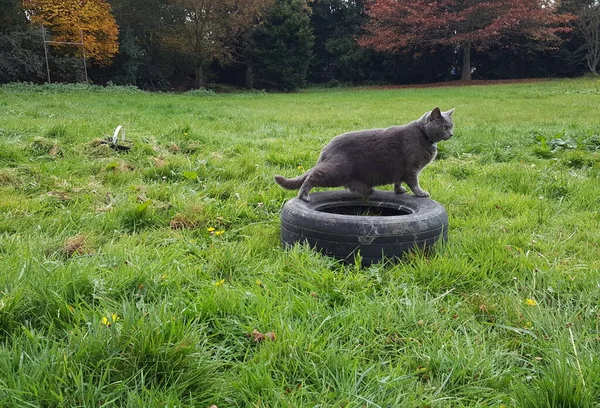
{"x": 395, "y": 25}
{"x": 205, "y": 30}
{"x": 65, "y": 19}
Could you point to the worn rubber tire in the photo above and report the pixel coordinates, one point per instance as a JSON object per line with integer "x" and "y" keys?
{"x": 375, "y": 237}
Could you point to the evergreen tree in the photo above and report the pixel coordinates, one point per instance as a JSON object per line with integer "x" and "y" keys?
{"x": 281, "y": 47}
{"x": 337, "y": 56}
{"x": 12, "y": 17}
{"x": 22, "y": 56}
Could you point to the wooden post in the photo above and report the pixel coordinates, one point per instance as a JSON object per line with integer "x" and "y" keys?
{"x": 83, "y": 53}
{"x": 46, "y": 52}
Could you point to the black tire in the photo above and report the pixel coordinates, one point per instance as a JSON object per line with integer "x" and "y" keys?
{"x": 403, "y": 222}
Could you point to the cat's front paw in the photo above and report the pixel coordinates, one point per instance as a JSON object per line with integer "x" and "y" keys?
{"x": 422, "y": 193}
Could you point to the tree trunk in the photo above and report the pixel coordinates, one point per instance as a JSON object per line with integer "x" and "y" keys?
{"x": 249, "y": 73}
{"x": 588, "y": 23}
{"x": 199, "y": 76}
{"x": 466, "y": 62}
{"x": 593, "y": 57}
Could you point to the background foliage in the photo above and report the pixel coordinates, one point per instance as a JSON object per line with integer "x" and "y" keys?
{"x": 283, "y": 44}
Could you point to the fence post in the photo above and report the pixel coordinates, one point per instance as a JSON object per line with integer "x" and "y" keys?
{"x": 46, "y": 52}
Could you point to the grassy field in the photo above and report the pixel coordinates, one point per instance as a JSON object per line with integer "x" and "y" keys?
{"x": 137, "y": 279}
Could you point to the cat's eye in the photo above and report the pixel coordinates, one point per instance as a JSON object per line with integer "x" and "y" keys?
{"x": 445, "y": 127}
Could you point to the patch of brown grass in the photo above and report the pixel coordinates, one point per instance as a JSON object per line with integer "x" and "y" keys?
{"x": 173, "y": 148}
{"x": 180, "y": 222}
{"x": 159, "y": 161}
{"x": 76, "y": 245}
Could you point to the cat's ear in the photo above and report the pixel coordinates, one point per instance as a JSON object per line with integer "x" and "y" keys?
{"x": 450, "y": 112}
{"x": 435, "y": 114}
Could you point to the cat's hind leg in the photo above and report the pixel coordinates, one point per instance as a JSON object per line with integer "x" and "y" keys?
{"x": 322, "y": 175}
{"x": 307, "y": 185}
{"x": 398, "y": 189}
{"x": 359, "y": 187}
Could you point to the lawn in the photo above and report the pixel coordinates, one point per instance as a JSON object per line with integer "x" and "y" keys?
{"x": 156, "y": 278}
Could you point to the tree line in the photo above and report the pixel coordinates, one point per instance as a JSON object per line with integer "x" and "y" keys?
{"x": 283, "y": 44}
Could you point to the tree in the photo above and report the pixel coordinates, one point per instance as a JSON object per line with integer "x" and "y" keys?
{"x": 12, "y": 16}
{"x": 142, "y": 57}
{"x": 21, "y": 56}
{"x": 282, "y": 46}
{"x": 337, "y": 56}
{"x": 588, "y": 26}
{"x": 65, "y": 19}
{"x": 205, "y": 30}
{"x": 465, "y": 24}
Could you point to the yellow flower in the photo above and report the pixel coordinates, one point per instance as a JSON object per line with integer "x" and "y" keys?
{"x": 530, "y": 302}
{"x": 217, "y": 233}
{"x": 220, "y": 283}
{"x": 107, "y": 321}
{"x": 210, "y": 229}
{"x": 300, "y": 167}
{"x": 185, "y": 133}
{"x": 258, "y": 282}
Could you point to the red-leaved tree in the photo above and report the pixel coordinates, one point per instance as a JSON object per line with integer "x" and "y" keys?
{"x": 395, "y": 25}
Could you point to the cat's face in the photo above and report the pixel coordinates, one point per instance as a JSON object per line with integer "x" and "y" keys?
{"x": 440, "y": 125}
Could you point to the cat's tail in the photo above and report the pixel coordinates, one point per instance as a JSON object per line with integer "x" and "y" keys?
{"x": 293, "y": 183}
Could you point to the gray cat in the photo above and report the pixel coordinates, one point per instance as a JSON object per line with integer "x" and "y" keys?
{"x": 366, "y": 158}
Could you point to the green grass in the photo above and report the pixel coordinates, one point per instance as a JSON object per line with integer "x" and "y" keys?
{"x": 113, "y": 292}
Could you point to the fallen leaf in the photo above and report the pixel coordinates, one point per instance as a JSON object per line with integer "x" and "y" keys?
{"x": 257, "y": 336}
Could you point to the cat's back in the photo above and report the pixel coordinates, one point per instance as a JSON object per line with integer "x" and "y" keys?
{"x": 350, "y": 144}
{"x": 368, "y": 135}
{"x": 364, "y": 140}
